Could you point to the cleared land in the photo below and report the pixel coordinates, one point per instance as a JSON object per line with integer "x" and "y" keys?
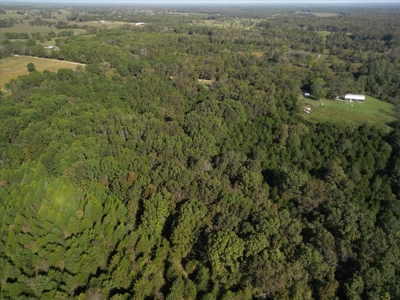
{"x": 373, "y": 111}
{"x": 12, "y": 67}
{"x": 258, "y": 53}
{"x": 26, "y": 27}
{"x": 234, "y": 23}
{"x": 317, "y": 13}
{"x": 22, "y": 28}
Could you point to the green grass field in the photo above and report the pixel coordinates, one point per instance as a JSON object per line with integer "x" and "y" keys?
{"x": 373, "y": 111}
{"x": 26, "y": 27}
{"x": 12, "y": 67}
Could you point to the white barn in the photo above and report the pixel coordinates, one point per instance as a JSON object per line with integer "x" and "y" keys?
{"x": 355, "y": 98}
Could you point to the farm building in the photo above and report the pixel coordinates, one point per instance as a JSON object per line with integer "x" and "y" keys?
{"x": 51, "y": 47}
{"x": 355, "y": 98}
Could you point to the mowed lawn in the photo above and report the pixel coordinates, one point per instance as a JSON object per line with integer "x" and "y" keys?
{"x": 373, "y": 111}
{"x": 12, "y": 67}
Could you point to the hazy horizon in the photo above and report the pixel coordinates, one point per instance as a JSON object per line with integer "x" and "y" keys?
{"x": 206, "y": 2}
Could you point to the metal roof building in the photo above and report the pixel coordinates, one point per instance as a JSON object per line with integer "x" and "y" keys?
{"x": 357, "y": 98}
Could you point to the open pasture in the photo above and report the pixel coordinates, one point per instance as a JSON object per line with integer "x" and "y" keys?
{"x": 26, "y": 27}
{"x": 373, "y": 111}
{"x": 229, "y": 22}
{"x": 317, "y": 13}
{"x": 12, "y": 67}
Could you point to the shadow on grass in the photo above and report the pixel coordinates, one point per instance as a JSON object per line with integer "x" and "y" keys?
{"x": 390, "y": 114}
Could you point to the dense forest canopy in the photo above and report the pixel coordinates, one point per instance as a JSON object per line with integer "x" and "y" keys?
{"x": 178, "y": 164}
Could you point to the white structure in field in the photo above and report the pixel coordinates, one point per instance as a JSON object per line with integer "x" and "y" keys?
{"x": 355, "y": 98}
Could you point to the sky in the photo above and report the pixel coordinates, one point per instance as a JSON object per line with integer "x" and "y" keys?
{"x": 204, "y": 1}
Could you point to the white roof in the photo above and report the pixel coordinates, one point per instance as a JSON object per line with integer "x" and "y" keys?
{"x": 355, "y": 97}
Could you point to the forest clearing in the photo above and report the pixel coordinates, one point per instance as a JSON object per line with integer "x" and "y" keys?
{"x": 373, "y": 111}
{"x": 12, "y": 67}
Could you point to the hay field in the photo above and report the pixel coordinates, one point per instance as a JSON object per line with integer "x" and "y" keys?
{"x": 12, "y": 67}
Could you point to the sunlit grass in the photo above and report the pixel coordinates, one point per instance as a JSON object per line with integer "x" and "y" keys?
{"x": 12, "y": 67}
{"x": 373, "y": 111}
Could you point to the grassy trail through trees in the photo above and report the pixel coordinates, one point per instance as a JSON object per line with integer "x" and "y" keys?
{"x": 49, "y": 59}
